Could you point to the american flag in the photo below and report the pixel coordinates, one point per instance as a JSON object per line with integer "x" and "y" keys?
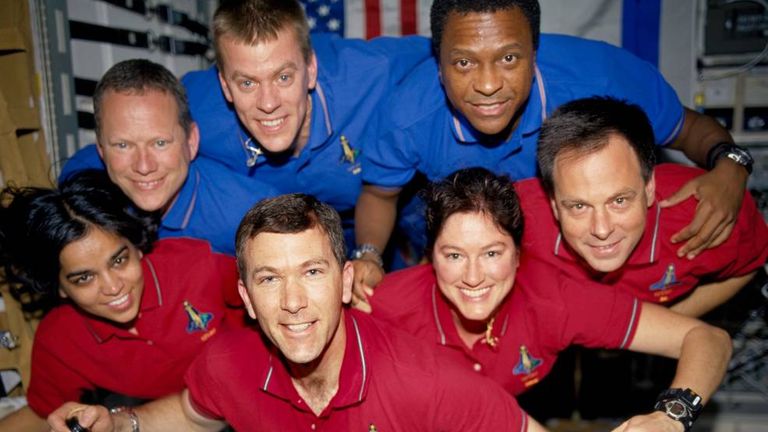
{"x": 368, "y": 18}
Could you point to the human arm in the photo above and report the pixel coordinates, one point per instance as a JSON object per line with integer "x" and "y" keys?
{"x": 703, "y": 352}
{"x": 173, "y": 412}
{"x": 709, "y": 296}
{"x": 23, "y": 419}
{"x": 719, "y": 192}
{"x": 375, "y": 215}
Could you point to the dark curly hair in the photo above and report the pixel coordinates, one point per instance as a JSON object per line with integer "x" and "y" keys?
{"x": 37, "y": 223}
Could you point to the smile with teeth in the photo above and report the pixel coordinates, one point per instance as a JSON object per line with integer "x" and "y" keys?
{"x": 119, "y": 301}
{"x": 148, "y": 185}
{"x": 272, "y": 123}
{"x": 298, "y": 328}
{"x": 475, "y": 293}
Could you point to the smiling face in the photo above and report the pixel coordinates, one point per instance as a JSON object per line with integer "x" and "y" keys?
{"x": 486, "y": 66}
{"x": 601, "y": 202}
{"x": 268, "y": 83}
{"x": 295, "y": 288}
{"x": 101, "y": 274}
{"x": 144, "y": 148}
{"x": 475, "y": 263}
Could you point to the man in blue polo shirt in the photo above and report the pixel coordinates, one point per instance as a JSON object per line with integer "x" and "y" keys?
{"x": 147, "y": 142}
{"x": 293, "y": 111}
{"x": 482, "y": 100}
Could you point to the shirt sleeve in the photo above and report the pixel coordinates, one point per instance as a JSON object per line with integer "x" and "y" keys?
{"x": 85, "y": 158}
{"x": 203, "y": 388}
{"x": 641, "y": 83}
{"x": 599, "y": 316}
{"x": 748, "y": 243}
{"x": 54, "y": 381}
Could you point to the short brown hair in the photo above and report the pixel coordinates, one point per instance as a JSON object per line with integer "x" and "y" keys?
{"x": 289, "y": 214}
{"x": 583, "y": 126}
{"x": 252, "y": 21}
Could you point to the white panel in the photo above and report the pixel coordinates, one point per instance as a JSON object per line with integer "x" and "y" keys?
{"x": 593, "y": 19}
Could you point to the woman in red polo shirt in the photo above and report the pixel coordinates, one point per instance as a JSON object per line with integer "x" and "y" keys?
{"x": 127, "y": 314}
{"x": 507, "y": 316}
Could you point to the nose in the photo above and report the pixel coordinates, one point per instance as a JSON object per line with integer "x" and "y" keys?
{"x": 268, "y": 98}
{"x": 145, "y": 162}
{"x": 293, "y": 298}
{"x": 474, "y": 274}
{"x": 112, "y": 284}
{"x": 602, "y": 226}
{"x": 488, "y": 80}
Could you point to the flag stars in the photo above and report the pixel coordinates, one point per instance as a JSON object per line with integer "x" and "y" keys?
{"x": 323, "y": 10}
{"x": 334, "y": 24}
{"x": 312, "y": 22}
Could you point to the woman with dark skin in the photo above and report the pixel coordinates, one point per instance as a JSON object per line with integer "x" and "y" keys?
{"x": 125, "y": 314}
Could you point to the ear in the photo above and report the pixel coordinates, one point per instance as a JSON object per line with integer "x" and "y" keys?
{"x": 62, "y": 293}
{"x": 312, "y": 71}
{"x": 99, "y": 148}
{"x": 225, "y": 87}
{"x": 553, "y": 204}
{"x": 650, "y": 190}
{"x": 347, "y": 280}
{"x": 243, "y": 291}
{"x": 193, "y": 141}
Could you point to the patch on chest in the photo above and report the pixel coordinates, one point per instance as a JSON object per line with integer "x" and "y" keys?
{"x": 197, "y": 321}
{"x": 350, "y": 156}
{"x": 662, "y": 288}
{"x": 526, "y": 366}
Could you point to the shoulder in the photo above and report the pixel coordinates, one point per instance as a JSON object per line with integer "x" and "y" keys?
{"x": 418, "y": 98}
{"x": 179, "y": 253}
{"x": 670, "y": 177}
{"x": 85, "y": 158}
{"x": 230, "y": 186}
{"x": 403, "y": 293}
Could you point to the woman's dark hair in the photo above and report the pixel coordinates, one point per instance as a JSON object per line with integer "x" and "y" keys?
{"x": 37, "y": 223}
{"x": 473, "y": 190}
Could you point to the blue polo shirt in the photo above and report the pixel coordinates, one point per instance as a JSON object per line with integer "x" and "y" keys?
{"x": 421, "y": 132}
{"x": 209, "y": 206}
{"x": 354, "y": 77}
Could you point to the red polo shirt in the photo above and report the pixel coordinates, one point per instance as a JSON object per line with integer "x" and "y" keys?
{"x": 542, "y": 315}
{"x": 653, "y": 271}
{"x": 389, "y": 381}
{"x": 74, "y": 351}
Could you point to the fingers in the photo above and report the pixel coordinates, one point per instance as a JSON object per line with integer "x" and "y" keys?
{"x": 688, "y": 190}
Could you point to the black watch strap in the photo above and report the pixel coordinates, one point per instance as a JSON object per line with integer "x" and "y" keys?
{"x": 681, "y": 405}
{"x": 736, "y": 153}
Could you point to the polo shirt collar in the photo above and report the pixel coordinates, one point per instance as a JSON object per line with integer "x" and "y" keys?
{"x": 177, "y": 217}
{"x": 646, "y": 251}
{"x": 151, "y": 298}
{"x": 447, "y": 334}
{"x": 353, "y": 377}
{"x": 535, "y": 112}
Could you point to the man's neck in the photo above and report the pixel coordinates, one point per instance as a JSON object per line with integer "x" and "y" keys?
{"x": 306, "y": 127}
{"x": 318, "y": 382}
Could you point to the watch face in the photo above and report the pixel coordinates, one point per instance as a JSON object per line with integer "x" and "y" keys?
{"x": 675, "y": 409}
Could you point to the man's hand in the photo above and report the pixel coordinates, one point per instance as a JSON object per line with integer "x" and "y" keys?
{"x": 654, "y": 422}
{"x": 367, "y": 275}
{"x": 94, "y": 417}
{"x": 719, "y": 194}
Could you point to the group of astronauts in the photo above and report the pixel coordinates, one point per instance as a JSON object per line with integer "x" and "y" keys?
{"x": 193, "y": 262}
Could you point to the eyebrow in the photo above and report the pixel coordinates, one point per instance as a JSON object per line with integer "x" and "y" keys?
{"x": 460, "y": 51}
{"x": 289, "y": 64}
{"x": 82, "y": 272}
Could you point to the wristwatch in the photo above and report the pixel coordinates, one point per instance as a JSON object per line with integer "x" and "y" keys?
{"x": 738, "y": 154}
{"x": 681, "y": 405}
{"x": 367, "y": 248}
